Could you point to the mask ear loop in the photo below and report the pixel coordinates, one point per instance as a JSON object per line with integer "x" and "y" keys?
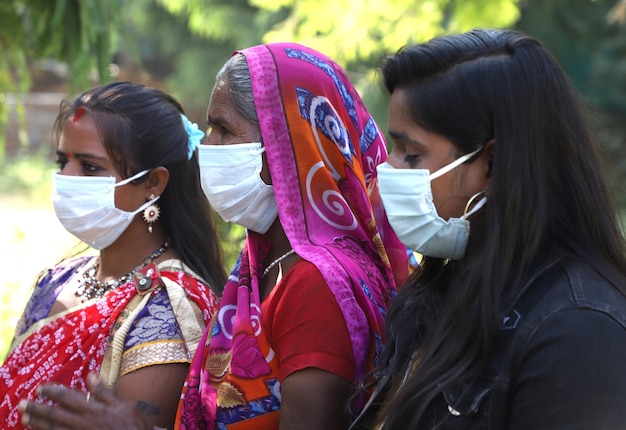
{"x": 455, "y": 163}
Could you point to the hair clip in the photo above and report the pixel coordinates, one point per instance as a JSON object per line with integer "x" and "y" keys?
{"x": 195, "y": 135}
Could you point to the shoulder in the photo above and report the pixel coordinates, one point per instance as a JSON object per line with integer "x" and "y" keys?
{"x": 575, "y": 285}
{"x": 564, "y": 338}
{"x": 304, "y": 269}
{"x": 301, "y": 295}
{"x": 575, "y": 354}
{"x": 52, "y": 280}
{"x": 178, "y": 276}
{"x": 63, "y": 270}
{"x": 571, "y": 311}
{"x": 305, "y": 325}
{"x": 303, "y": 282}
{"x": 181, "y": 292}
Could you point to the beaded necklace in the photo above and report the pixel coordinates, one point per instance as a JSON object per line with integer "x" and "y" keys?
{"x": 275, "y": 262}
{"x": 91, "y": 288}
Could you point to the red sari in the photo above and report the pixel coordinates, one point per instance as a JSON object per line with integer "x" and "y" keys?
{"x": 67, "y": 346}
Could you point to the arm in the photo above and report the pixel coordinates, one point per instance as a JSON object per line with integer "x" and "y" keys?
{"x": 314, "y": 399}
{"x": 572, "y": 375}
{"x": 142, "y": 400}
{"x": 309, "y": 334}
{"x": 147, "y": 396}
{"x": 154, "y": 391}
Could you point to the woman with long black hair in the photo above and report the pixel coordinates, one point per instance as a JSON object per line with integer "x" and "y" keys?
{"x": 516, "y": 316}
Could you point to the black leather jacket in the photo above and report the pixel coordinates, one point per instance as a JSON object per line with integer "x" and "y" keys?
{"x": 560, "y": 362}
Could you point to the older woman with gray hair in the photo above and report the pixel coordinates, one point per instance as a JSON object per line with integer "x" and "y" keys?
{"x": 291, "y": 155}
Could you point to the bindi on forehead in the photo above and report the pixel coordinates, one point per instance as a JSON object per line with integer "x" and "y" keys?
{"x": 78, "y": 113}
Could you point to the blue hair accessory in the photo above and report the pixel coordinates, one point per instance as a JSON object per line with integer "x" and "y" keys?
{"x": 195, "y": 135}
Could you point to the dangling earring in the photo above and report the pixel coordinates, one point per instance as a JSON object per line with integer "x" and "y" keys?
{"x": 469, "y": 203}
{"x": 151, "y": 213}
{"x": 467, "y": 212}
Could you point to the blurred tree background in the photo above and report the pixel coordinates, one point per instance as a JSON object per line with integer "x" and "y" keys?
{"x": 64, "y": 46}
{"x": 56, "y": 48}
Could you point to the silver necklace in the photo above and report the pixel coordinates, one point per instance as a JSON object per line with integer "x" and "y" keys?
{"x": 90, "y": 288}
{"x": 275, "y": 262}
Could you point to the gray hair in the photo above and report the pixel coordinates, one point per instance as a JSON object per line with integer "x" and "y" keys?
{"x": 237, "y": 75}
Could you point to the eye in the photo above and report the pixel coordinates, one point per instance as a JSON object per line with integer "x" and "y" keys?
{"x": 61, "y": 161}
{"x": 89, "y": 167}
{"x": 411, "y": 159}
{"x": 218, "y": 131}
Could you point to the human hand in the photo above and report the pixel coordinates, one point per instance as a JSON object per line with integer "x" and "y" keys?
{"x": 101, "y": 409}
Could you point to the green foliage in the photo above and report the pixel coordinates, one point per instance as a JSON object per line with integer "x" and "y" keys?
{"x": 28, "y": 177}
{"x": 232, "y": 21}
{"x": 232, "y": 237}
{"x": 364, "y": 31}
{"x": 589, "y": 40}
{"x": 79, "y": 32}
{"x": 348, "y": 31}
{"x": 357, "y": 34}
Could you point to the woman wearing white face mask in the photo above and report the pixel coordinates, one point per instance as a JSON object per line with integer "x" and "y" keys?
{"x": 291, "y": 156}
{"x": 515, "y": 318}
{"x": 128, "y": 186}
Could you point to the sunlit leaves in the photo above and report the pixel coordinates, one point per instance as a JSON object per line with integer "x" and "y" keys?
{"x": 357, "y": 30}
{"x": 347, "y": 30}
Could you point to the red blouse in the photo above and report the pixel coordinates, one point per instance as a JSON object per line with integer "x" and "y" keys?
{"x": 305, "y": 325}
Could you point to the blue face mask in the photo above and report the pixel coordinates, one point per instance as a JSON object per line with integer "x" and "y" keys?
{"x": 407, "y": 197}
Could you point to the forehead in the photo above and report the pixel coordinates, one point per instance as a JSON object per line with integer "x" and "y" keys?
{"x": 222, "y": 109}
{"x": 400, "y": 120}
{"x": 228, "y": 125}
{"x": 220, "y": 99}
{"x": 81, "y": 135}
{"x": 398, "y": 109}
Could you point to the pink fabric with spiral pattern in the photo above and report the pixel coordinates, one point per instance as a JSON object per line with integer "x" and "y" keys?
{"x": 322, "y": 148}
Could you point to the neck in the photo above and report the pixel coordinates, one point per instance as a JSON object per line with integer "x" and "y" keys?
{"x": 279, "y": 246}
{"x": 278, "y": 240}
{"x": 130, "y": 250}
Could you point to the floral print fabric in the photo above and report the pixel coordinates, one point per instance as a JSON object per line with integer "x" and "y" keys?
{"x": 322, "y": 148}
{"x": 66, "y": 347}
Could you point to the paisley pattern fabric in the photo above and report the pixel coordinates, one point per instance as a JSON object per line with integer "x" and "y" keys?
{"x": 322, "y": 148}
{"x": 156, "y": 322}
{"x": 67, "y": 346}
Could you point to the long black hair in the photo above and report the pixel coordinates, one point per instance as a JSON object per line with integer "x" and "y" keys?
{"x": 141, "y": 128}
{"x": 547, "y": 192}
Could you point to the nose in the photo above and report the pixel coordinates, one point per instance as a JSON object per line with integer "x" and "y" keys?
{"x": 394, "y": 159}
{"x": 211, "y": 138}
{"x": 71, "y": 168}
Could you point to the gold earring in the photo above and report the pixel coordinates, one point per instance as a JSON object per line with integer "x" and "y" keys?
{"x": 467, "y": 206}
{"x": 470, "y": 201}
{"x": 151, "y": 213}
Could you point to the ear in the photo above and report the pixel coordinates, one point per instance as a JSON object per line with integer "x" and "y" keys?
{"x": 157, "y": 181}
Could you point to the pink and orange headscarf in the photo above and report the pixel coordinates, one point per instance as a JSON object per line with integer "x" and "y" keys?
{"x": 322, "y": 148}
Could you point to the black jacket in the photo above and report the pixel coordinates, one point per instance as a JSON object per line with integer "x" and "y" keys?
{"x": 560, "y": 362}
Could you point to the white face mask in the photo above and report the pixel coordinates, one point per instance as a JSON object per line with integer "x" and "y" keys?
{"x": 85, "y": 205}
{"x": 231, "y": 180}
{"x": 407, "y": 197}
